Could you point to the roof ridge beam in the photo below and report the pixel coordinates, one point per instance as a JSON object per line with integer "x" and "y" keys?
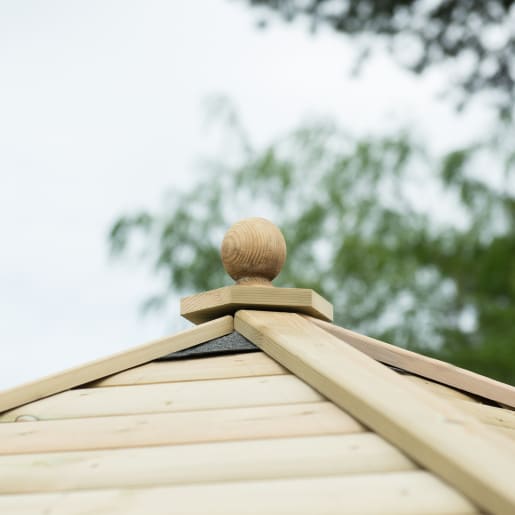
{"x": 424, "y": 366}
{"x": 474, "y": 459}
{"x": 118, "y": 362}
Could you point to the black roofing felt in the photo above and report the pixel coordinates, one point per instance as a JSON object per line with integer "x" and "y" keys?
{"x": 230, "y": 344}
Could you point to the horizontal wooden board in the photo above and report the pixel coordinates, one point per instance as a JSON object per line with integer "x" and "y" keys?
{"x": 305, "y": 419}
{"x": 212, "y": 304}
{"x": 424, "y": 366}
{"x": 477, "y": 461}
{"x": 169, "y": 397}
{"x": 247, "y": 364}
{"x": 102, "y": 367}
{"x": 400, "y": 493}
{"x": 153, "y": 466}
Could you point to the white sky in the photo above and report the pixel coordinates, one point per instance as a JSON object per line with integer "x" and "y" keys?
{"x": 101, "y": 113}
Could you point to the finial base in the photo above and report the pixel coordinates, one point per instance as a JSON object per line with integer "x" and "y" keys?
{"x": 213, "y": 304}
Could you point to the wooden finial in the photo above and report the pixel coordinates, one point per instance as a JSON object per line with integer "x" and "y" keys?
{"x": 253, "y": 252}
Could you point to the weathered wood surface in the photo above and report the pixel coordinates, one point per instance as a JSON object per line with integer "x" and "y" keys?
{"x": 477, "y": 461}
{"x": 249, "y": 364}
{"x": 397, "y": 493}
{"x": 424, "y": 366}
{"x": 312, "y": 456}
{"x": 303, "y": 419}
{"x": 115, "y": 363}
{"x": 169, "y": 397}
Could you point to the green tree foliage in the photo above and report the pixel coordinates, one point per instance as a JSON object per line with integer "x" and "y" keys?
{"x": 476, "y": 36}
{"x": 411, "y": 248}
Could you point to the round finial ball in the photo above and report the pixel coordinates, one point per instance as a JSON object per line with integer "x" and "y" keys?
{"x": 253, "y": 251}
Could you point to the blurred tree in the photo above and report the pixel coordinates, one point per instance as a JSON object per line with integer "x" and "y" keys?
{"x": 410, "y": 248}
{"x": 477, "y": 36}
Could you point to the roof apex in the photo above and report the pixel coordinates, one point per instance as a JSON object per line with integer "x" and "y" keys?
{"x": 253, "y": 252}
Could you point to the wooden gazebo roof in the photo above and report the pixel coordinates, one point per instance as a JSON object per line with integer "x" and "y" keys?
{"x": 313, "y": 419}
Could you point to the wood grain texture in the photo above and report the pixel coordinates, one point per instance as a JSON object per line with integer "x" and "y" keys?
{"x": 425, "y": 366}
{"x": 115, "y": 363}
{"x": 507, "y": 432}
{"x": 253, "y": 251}
{"x": 491, "y": 415}
{"x": 175, "y": 428}
{"x": 169, "y": 397}
{"x": 397, "y": 493}
{"x": 439, "y": 389}
{"x": 477, "y": 461}
{"x": 249, "y": 364}
{"x": 312, "y": 456}
{"x": 212, "y": 304}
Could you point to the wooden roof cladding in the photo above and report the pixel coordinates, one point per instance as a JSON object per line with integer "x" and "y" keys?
{"x": 290, "y": 456}
{"x": 317, "y": 425}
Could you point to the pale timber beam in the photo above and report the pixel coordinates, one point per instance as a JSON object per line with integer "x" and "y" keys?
{"x": 115, "y": 363}
{"x": 269, "y": 458}
{"x": 182, "y": 427}
{"x": 168, "y": 397}
{"x": 399, "y": 493}
{"x": 424, "y": 366}
{"x": 477, "y": 461}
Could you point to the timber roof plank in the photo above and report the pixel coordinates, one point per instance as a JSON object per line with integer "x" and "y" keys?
{"x": 478, "y": 462}
{"x": 424, "y": 366}
{"x": 117, "y": 362}
{"x": 274, "y": 458}
{"x": 396, "y": 493}
{"x": 213, "y": 367}
{"x": 169, "y": 397}
{"x": 123, "y": 431}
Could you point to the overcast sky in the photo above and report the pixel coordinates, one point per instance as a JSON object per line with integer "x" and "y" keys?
{"x": 101, "y": 113}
